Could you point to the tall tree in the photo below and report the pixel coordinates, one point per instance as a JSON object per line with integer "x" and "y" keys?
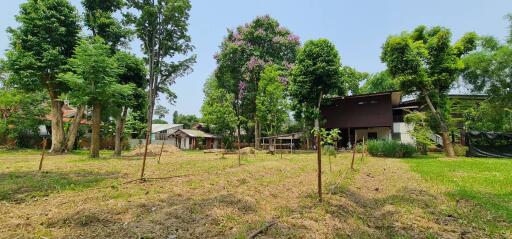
{"x": 243, "y": 55}
{"x": 271, "y": 101}
{"x": 379, "y": 82}
{"x": 187, "y": 120}
{"x": 217, "y": 111}
{"x": 489, "y": 70}
{"x": 94, "y": 82}
{"x": 162, "y": 27}
{"x": 132, "y": 71}
{"x": 100, "y": 20}
{"x": 316, "y": 73}
{"x": 425, "y": 62}
{"x": 352, "y": 79}
{"x": 161, "y": 111}
{"x": 39, "y": 49}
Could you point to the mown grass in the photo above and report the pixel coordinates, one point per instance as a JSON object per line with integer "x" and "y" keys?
{"x": 21, "y": 186}
{"x": 214, "y": 197}
{"x": 485, "y": 182}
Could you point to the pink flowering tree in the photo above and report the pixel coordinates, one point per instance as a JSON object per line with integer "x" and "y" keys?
{"x": 243, "y": 55}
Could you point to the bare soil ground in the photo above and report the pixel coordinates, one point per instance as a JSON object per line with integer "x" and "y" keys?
{"x": 209, "y": 197}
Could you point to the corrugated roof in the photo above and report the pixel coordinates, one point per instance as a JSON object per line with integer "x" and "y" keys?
{"x": 161, "y": 127}
{"x": 196, "y": 133}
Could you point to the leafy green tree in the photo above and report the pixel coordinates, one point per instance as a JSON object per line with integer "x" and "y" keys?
{"x": 40, "y": 46}
{"x": 99, "y": 18}
{"x": 187, "y": 120}
{"x": 489, "y": 70}
{"x": 243, "y": 55}
{"x": 351, "y": 78}
{"x": 421, "y": 131}
{"x": 316, "y": 73}
{"x": 329, "y": 140}
{"x": 161, "y": 111}
{"x": 21, "y": 114}
{"x": 162, "y": 27}
{"x": 379, "y": 82}
{"x": 271, "y": 101}
{"x": 425, "y": 62}
{"x": 218, "y": 113}
{"x": 94, "y": 82}
{"x": 132, "y": 72}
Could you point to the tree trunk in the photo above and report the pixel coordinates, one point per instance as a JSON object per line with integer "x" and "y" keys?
{"x": 238, "y": 139}
{"x": 257, "y": 134}
{"x": 96, "y": 124}
{"x": 73, "y": 129}
{"x": 319, "y": 149}
{"x": 319, "y": 159}
{"x": 120, "y": 122}
{"x": 57, "y": 124}
{"x": 447, "y": 144}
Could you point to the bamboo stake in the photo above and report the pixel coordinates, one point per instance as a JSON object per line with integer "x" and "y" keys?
{"x": 362, "y": 151}
{"x": 42, "y": 154}
{"x": 354, "y": 150}
{"x": 161, "y": 150}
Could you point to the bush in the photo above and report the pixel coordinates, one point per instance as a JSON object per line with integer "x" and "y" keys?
{"x": 390, "y": 148}
{"x": 460, "y": 150}
{"x": 359, "y": 148}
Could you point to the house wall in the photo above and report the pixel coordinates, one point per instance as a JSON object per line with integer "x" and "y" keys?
{"x": 404, "y": 131}
{"x": 382, "y": 133}
{"x": 358, "y": 112}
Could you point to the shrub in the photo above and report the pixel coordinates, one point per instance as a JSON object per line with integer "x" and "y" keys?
{"x": 359, "y": 148}
{"x": 460, "y": 150}
{"x": 390, "y": 148}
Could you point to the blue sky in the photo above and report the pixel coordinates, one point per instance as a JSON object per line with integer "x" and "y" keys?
{"x": 357, "y": 28}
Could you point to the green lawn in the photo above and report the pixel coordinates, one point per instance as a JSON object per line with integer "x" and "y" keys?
{"x": 483, "y": 181}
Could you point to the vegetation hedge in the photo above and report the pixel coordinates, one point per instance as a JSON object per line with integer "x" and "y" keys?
{"x": 460, "y": 150}
{"x": 390, "y": 148}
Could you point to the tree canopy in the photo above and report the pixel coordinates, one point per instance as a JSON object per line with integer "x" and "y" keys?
{"x": 39, "y": 49}
{"x": 271, "y": 101}
{"x": 425, "y": 62}
{"x": 489, "y": 70}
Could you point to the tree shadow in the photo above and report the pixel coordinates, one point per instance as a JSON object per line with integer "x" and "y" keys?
{"x": 19, "y": 187}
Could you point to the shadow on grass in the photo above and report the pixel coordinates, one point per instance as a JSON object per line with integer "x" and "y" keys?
{"x": 21, "y": 186}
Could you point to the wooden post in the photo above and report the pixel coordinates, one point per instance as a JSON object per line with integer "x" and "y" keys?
{"x": 362, "y": 152}
{"x": 148, "y": 134}
{"x": 319, "y": 158}
{"x": 354, "y": 146}
{"x": 161, "y": 150}
{"x": 291, "y": 144}
{"x": 42, "y": 154}
{"x": 281, "y": 143}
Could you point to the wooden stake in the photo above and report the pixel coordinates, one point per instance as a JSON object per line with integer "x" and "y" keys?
{"x": 161, "y": 150}
{"x": 362, "y": 152}
{"x": 42, "y": 154}
{"x": 319, "y": 159}
{"x": 148, "y": 134}
{"x": 354, "y": 146}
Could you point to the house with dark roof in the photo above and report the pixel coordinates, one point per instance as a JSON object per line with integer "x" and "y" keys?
{"x": 194, "y": 139}
{"x": 381, "y": 116}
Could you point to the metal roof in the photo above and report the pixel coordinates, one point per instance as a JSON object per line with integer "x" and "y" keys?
{"x": 161, "y": 127}
{"x": 195, "y": 133}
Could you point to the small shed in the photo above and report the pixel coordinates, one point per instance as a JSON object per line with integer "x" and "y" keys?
{"x": 194, "y": 139}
